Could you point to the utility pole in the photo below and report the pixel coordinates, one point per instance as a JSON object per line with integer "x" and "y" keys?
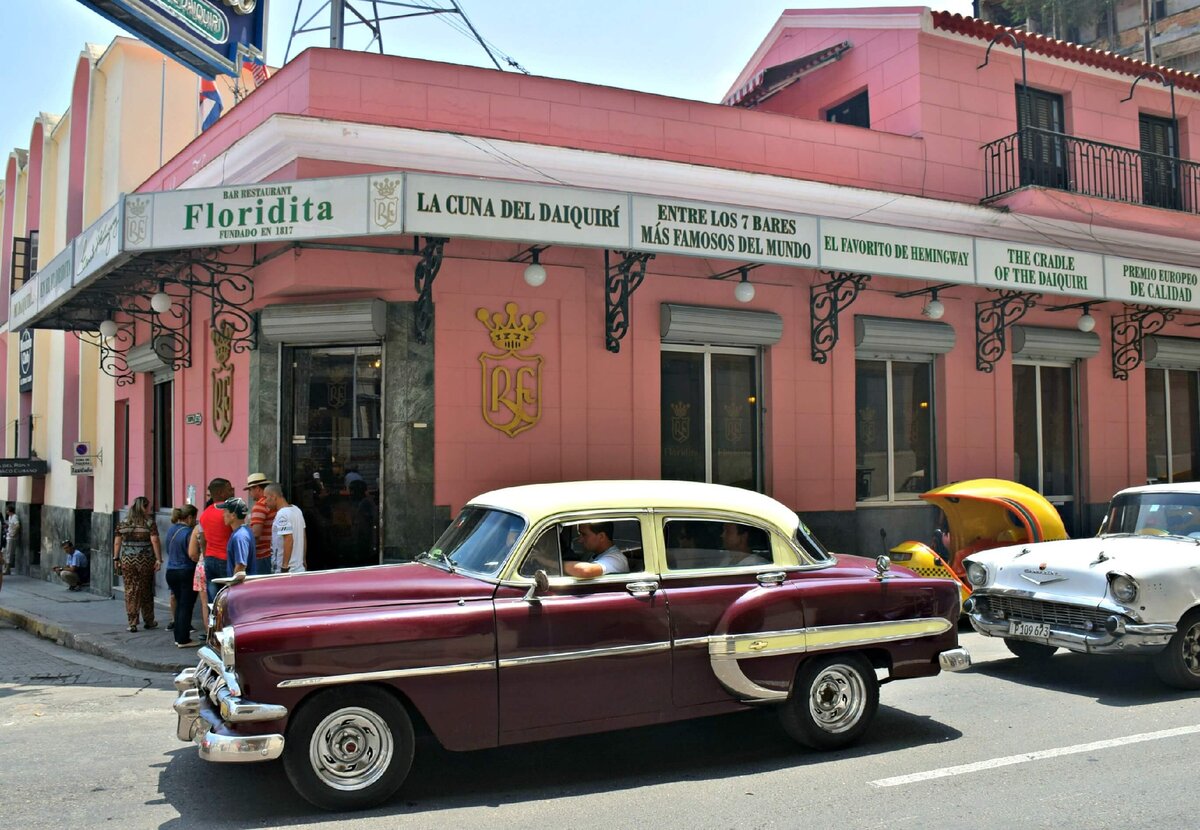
{"x": 337, "y": 24}
{"x": 1147, "y": 48}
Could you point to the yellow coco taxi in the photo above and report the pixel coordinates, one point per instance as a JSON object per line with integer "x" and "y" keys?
{"x": 981, "y": 513}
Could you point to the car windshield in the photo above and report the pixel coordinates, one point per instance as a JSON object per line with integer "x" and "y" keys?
{"x": 1155, "y": 514}
{"x": 479, "y": 540}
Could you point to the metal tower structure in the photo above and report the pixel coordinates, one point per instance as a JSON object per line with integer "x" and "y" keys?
{"x": 343, "y": 15}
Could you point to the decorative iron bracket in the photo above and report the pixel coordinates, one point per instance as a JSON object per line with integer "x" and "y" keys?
{"x": 112, "y": 353}
{"x": 826, "y": 300}
{"x": 423, "y": 277}
{"x": 992, "y": 319}
{"x": 229, "y": 290}
{"x": 1128, "y": 333}
{"x": 620, "y": 281}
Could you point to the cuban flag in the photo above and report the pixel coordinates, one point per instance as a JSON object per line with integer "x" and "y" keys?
{"x": 257, "y": 70}
{"x": 210, "y": 104}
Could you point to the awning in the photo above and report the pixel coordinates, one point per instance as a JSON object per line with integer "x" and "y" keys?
{"x": 777, "y": 78}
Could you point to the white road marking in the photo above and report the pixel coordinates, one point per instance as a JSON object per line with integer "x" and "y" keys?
{"x": 980, "y": 766}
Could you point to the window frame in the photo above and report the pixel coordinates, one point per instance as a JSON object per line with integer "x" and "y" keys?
{"x": 511, "y": 572}
{"x": 1168, "y": 429}
{"x": 891, "y": 448}
{"x": 856, "y": 104}
{"x": 163, "y": 419}
{"x": 1073, "y": 496}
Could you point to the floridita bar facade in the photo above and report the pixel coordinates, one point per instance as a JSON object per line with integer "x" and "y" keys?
{"x": 908, "y": 248}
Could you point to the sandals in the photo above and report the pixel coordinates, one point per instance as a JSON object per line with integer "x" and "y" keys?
{"x": 132, "y": 629}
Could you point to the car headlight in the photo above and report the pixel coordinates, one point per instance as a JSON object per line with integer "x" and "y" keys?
{"x": 1124, "y": 588}
{"x": 977, "y": 574}
{"x": 225, "y": 639}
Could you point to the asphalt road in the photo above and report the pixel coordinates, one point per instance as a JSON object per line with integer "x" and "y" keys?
{"x": 1081, "y": 742}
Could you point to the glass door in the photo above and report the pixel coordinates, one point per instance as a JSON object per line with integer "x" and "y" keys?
{"x": 711, "y": 417}
{"x": 332, "y": 450}
{"x": 1044, "y": 434}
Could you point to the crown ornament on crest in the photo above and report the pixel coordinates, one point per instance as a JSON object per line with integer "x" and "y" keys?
{"x": 135, "y": 207}
{"x": 222, "y": 338}
{"x": 386, "y": 188}
{"x": 514, "y": 333}
{"x": 680, "y": 409}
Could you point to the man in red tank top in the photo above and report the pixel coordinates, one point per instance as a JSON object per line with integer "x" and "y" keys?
{"x": 212, "y": 535}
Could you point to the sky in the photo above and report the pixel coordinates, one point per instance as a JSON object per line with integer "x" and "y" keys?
{"x": 684, "y": 48}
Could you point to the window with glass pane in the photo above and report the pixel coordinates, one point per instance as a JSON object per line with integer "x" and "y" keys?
{"x": 1025, "y": 426}
{"x": 1172, "y": 425}
{"x": 1044, "y": 434}
{"x": 710, "y": 416}
{"x": 1058, "y": 431}
{"x": 164, "y": 445}
{"x": 894, "y": 430}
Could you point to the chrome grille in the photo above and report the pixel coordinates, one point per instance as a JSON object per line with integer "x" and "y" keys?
{"x": 1052, "y": 613}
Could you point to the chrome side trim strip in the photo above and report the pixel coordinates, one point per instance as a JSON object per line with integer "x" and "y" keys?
{"x": 387, "y": 674}
{"x": 584, "y": 654}
{"x": 692, "y": 642}
{"x": 729, "y": 673}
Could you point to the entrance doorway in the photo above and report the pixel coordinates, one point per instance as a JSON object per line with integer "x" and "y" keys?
{"x": 331, "y": 424}
{"x": 1044, "y": 435}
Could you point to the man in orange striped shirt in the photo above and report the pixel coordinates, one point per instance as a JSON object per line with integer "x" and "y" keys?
{"x": 261, "y": 518}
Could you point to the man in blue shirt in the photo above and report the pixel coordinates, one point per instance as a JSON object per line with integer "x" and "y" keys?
{"x": 240, "y": 548}
{"x": 76, "y": 572}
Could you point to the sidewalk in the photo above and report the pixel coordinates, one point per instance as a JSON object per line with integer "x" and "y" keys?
{"x": 91, "y": 624}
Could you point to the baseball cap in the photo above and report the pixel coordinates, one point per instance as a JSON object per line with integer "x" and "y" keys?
{"x": 235, "y": 506}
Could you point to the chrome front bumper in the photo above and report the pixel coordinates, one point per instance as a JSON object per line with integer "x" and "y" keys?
{"x": 1130, "y": 638}
{"x": 207, "y": 706}
{"x": 956, "y": 659}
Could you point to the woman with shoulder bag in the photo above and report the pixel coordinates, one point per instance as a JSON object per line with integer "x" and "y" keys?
{"x": 181, "y": 571}
{"x": 137, "y": 554}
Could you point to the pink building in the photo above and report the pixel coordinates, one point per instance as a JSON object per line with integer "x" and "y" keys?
{"x": 891, "y": 259}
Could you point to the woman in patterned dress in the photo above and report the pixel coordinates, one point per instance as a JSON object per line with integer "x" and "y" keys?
{"x": 136, "y": 552}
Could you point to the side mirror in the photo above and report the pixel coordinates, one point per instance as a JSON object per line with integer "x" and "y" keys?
{"x": 541, "y": 584}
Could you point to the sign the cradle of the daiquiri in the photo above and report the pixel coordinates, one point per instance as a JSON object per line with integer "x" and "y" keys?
{"x": 512, "y": 381}
{"x": 1038, "y": 269}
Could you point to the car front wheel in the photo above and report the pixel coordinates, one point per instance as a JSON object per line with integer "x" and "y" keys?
{"x": 832, "y": 702}
{"x": 1030, "y": 652}
{"x": 349, "y": 748}
{"x": 1178, "y": 664}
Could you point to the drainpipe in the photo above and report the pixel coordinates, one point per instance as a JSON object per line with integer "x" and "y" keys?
{"x": 1147, "y": 49}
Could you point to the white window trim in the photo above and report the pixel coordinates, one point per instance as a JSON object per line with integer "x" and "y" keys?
{"x": 891, "y": 500}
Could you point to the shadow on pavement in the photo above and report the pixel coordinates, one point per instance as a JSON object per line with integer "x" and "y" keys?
{"x": 1109, "y": 680}
{"x": 728, "y": 746}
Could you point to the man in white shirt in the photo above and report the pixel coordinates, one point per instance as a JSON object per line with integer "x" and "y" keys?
{"x": 287, "y": 532}
{"x": 606, "y": 557}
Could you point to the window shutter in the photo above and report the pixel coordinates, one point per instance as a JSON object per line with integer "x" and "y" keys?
{"x": 1037, "y": 343}
{"x": 885, "y": 338}
{"x": 701, "y": 325}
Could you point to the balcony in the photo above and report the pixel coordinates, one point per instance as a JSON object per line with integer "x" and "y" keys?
{"x": 1033, "y": 156}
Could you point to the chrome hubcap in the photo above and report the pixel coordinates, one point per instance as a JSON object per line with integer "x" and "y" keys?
{"x": 1191, "y": 649}
{"x": 351, "y": 749}
{"x": 837, "y": 698}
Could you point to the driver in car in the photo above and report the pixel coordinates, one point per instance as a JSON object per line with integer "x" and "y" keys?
{"x": 606, "y": 557}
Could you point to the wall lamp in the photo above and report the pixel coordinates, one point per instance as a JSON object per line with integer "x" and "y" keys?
{"x": 1086, "y": 321}
{"x": 534, "y": 274}
{"x": 934, "y": 308}
{"x": 744, "y": 290}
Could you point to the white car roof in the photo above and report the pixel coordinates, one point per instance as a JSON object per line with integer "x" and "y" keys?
{"x": 1177, "y": 487}
{"x": 536, "y": 501}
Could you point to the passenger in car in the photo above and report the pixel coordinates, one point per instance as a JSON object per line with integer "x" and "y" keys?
{"x": 606, "y": 557}
{"x": 736, "y": 539}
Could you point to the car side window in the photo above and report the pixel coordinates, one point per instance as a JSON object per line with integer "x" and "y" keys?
{"x": 695, "y": 544}
{"x": 568, "y": 541}
{"x": 545, "y": 555}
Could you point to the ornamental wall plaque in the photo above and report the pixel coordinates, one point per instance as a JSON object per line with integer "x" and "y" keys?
{"x": 511, "y": 380}
{"x": 222, "y": 381}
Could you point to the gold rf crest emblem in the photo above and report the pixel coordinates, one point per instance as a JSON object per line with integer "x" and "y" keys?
{"x": 512, "y": 381}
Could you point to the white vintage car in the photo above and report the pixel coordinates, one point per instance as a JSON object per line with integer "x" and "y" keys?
{"x": 1132, "y": 589}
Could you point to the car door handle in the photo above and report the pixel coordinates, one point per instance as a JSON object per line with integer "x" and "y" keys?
{"x": 772, "y": 578}
{"x": 642, "y": 589}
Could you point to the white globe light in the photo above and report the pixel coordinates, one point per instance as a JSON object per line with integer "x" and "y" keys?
{"x": 535, "y": 274}
{"x": 108, "y": 329}
{"x": 161, "y": 302}
{"x": 1086, "y": 323}
{"x": 934, "y": 309}
{"x": 743, "y": 292}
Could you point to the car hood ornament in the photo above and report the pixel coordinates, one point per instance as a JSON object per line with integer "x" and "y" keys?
{"x": 1041, "y": 576}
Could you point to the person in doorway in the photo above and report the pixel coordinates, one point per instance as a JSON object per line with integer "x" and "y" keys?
{"x": 75, "y": 573}
{"x": 735, "y": 538}
{"x": 261, "y": 517}
{"x": 239, "y": 550}
{"x": 12, "y": 532}
{"x": 211, "y": 537}
{"x": 287, "y": 533}
{"x": 181, "y": 573}
{"x": 606, "y": 557}
{"x": 137, "y": 555}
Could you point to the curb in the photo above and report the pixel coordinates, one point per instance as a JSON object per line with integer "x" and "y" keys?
{"x": 87, "y": 644}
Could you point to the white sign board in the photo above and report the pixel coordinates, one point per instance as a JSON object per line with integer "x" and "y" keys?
{"x": 99, "y": 245}
{"x": 1039, "y": 270}
{"x": 481, "y": 209}
{"x": 246, "y": 214}
{"x": 56, "y": 279}
{"x": 671, "y": 226}
{"x": 897, "y": 252}
{"x": 82, "y": 467}
{"x": 1135, "y": 281}
{"x": 22, "y": 305}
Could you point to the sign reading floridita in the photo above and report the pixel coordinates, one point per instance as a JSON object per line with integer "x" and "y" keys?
{"x": 671, "y": 226}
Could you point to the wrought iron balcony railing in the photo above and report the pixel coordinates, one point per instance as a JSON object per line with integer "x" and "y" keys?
{"x": 1033, "y": 156}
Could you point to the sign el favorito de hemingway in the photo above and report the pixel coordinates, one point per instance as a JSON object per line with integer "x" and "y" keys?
{"x": 1038, "y": 269}
{"x": 897, "y": 252}
{"x": 1135, "y": 281}
{"x": 673, "y": 226}
{"x": 245, "y": 214}
{"x": 483, "y": 209}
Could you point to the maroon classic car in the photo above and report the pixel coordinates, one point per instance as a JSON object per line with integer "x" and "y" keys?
{"x": 553, "y": 610}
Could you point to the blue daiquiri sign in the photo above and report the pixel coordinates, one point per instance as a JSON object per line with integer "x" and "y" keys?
{"x": 209, "y": 36}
